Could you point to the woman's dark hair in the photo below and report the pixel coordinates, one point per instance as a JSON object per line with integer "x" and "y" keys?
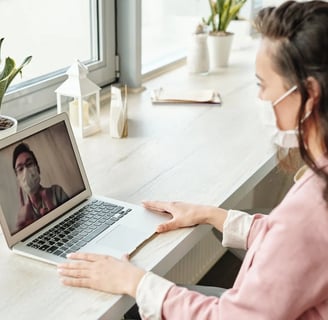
{"x": 24, "y": 148}
{"x": 299, "y": 31}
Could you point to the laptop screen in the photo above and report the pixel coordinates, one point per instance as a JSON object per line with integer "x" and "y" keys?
{"x": 39, "y": 173}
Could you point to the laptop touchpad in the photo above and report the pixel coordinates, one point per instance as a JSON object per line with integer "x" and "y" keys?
{"x": 122, "y": 238}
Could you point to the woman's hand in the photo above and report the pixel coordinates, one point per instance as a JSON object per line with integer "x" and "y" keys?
{"x": 187, "y": 215}
{"x": 101, "y": 272}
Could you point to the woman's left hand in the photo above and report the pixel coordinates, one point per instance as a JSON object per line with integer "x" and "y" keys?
{"x": 101, "y": 272}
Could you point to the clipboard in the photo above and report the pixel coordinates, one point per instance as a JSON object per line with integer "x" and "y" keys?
{"x": 181, "y": 96}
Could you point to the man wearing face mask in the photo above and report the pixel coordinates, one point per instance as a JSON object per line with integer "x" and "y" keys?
{"x": 35, "y": 200}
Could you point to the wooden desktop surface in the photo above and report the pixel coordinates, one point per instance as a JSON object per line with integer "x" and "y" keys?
{"x": 197, "y": 153}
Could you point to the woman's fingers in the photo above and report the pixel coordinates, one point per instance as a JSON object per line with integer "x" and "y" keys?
{"x": 179, "y": 211}
{"x": 101, "y": 272}
{"x": 91, "y": 257}
{"x": 125, "y": 257}
{"x": 75, "y": 277}
{"x": 161, "y": 206}
{"x": 83, "y": 260}
{"x": 167, "y": 226}
{"x": 76, "y": 282}
{"x": 75, "y": 274}
{"x": 74, "y": 271}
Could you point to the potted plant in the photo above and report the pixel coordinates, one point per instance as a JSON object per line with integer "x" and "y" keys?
{"x": 219, "y": 40}
{"x": 8, "y": 72}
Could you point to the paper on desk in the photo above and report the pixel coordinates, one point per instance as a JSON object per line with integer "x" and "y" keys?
{"x": 168, "y": 95}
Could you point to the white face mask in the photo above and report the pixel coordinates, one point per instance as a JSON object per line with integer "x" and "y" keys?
{"x": 29, "y": 179}
{"x": 283, "y": 138}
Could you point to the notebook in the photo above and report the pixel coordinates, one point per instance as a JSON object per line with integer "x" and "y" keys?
{"x": 183, "y": 96}
{"x": 47, "y": 208}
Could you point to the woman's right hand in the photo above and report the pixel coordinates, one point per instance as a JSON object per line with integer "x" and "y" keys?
{"x": 186, "y": 214}
{"x": 101, "y": 272}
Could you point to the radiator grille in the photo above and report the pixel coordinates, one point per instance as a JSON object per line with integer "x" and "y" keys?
{"x": 197, "y": 262}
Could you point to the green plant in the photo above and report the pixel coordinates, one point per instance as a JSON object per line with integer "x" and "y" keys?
{"x": 9, "y": 72}
{"x": 222, "y": 12}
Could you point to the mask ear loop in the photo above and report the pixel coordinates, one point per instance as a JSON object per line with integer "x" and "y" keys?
{"x": 292, "y": 89}
{"x": 307, "y": 115}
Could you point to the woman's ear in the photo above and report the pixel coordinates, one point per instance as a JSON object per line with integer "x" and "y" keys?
{"x": 313, "y": 89}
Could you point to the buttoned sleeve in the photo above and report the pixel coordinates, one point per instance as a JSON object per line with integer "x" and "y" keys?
{"x": 151, "y": 293}
{"x": 236, "y": 229}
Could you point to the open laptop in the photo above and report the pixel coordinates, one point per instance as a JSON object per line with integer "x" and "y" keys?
{"x": 67, "y": 217}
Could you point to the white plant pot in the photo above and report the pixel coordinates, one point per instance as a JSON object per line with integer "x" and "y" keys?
{"x": 219, "y": 48}
{"x": 7, "y": 132}
{"x": 198, "y": 58}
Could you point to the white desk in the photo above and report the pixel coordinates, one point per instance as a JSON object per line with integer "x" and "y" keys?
{"x": 204, "y": 154}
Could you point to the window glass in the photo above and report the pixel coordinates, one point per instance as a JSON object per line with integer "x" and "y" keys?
{"x": 41, "y": 28}
{"x": 55, "y": 34}
{"x": 167, "y": 26}
{"x": 166, "y": 29}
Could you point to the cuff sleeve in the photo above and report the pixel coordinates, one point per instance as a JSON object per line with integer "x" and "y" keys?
{"x": 236, "y": 229}
{"x": 150, "y": 295}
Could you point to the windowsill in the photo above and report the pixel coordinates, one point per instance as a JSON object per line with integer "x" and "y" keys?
{"x": 38, "y": 117}
{"x": 159, "y": 70}
{"x": 104, "y": 94}
{"x": 175, "y": 74}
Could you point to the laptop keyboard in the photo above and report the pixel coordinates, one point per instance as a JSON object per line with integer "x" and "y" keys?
{"x": 79, "y": 229}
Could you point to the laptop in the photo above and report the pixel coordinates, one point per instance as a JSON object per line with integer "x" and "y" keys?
{"x": 64, "y": 216}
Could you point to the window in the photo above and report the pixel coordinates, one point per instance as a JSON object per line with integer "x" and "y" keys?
{"x": 166, "y": 25}
{"x": 55, "y": 33}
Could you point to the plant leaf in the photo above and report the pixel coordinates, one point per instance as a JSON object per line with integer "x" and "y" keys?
{"x": 1, "y": 40}
{"x": 219, "y": 12}
{"x": 19, "y": 69}
{"x": 233, "y": 12}
{"x": 222, "y": 12}
{"x": 5, "y": 76}
{"x": 225, "y": 15}
{"x": 9, "y": 72}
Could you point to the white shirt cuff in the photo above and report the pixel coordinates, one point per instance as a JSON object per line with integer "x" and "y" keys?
{"x": 150, "y": 295}
{"x": 236, "y": 229}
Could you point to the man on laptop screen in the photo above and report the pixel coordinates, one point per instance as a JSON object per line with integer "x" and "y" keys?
{"x": 25, "y": 198}
{"x": 35, "y": 199}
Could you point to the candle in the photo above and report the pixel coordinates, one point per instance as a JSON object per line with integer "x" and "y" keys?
{"x": 74, "y": 112}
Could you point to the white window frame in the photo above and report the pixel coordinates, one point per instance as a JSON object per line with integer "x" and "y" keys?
{"x": 36, "y": 96}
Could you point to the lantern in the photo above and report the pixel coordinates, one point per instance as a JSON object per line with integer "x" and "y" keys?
{"x": 83, "y": 100}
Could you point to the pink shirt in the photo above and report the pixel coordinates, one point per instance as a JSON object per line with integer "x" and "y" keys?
{"x": 283, "y": 276}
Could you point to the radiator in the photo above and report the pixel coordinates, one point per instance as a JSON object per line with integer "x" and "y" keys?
{"x": 198, "y": 261}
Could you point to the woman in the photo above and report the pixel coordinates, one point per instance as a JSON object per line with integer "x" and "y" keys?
{"x": 284, "y": 274}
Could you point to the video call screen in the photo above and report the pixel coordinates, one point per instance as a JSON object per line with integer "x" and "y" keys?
{"x": 38, "y": 174}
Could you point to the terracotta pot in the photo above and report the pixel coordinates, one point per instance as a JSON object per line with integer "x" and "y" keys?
{"x": 8, "y": 126}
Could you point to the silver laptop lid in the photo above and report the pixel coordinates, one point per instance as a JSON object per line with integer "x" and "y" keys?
{"x": 43, "y": 157}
